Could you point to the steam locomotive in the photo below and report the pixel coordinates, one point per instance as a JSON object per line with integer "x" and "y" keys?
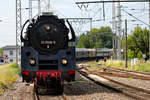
{"x": 46, "y": 58}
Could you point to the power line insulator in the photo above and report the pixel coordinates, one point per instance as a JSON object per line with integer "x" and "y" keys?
{"x": 80, "y": 6}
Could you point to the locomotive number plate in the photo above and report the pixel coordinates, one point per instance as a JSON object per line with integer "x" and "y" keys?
{"x": 48, "y": 42}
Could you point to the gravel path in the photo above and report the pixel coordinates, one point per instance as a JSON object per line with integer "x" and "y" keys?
{"x": 18, "y": 91}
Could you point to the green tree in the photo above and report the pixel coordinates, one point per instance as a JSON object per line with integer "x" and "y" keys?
{"x": 93, "y": 35}
{"x": 83, "y": 42}
{"x": 138, "y": 42}
{"x": 96, "y": 38}
{"x": 99, "y": 44}
{"x": 1, "y": 51}
{"x": 105, "y": 34}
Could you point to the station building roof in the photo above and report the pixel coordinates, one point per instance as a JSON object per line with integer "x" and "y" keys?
{"x": 9, "y": 47}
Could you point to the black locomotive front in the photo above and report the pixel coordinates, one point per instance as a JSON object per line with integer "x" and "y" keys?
{"x": 45, "y": 53}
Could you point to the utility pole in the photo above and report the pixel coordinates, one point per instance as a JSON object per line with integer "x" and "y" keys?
{"x": 126, "y": 56}
{"x": 30, "y": 11}
{"x": 114, "y": 31}
{"x": 103, "y": 11}
{"x": 91, "y": 24}
{"x": 48, "y": 8}
{"x": 39, "y": 7}
{"x": 18, "y": 28}
{"x": 116, "y": 38}
{"x": 119, "y": 31}
{"x": 19, "y": 23}
{"x": 119, "y": 19}
{"x": 31, "y": 8}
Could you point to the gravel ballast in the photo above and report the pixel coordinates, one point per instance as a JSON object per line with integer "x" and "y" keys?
{"x": 82, "y": 89}
{"x": 87, "y": 90}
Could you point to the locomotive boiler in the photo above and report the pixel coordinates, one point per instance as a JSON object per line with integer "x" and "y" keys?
{"x": 46, "y": 57}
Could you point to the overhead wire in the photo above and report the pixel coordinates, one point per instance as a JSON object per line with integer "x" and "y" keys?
{"x": 134, "y": 17}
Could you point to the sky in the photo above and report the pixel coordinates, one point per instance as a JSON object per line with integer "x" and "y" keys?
{"x": 68, "y": 8}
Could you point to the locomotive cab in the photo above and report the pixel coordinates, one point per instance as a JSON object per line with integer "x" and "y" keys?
{"x": 46, "y": 55}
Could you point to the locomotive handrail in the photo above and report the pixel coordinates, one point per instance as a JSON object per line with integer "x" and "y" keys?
{"x": 72, "y": 32}
{"x": 21, "y": 37}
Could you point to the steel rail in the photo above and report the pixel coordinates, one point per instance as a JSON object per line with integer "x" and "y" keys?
{"x": 130, "y": 94}
{"x": 125, "y": 75}
{"x": 130, "y": 86}
{"x": 37, "y": 96}
{"x": 128, "y": 72}
{"x": 65, "y": 96}
{"x": 144, "y": 73}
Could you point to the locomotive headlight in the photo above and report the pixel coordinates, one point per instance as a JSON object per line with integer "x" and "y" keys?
{"x": 47, "y": 28}
{"x": 64, "y": 61}
{"x": 32, "y": 62}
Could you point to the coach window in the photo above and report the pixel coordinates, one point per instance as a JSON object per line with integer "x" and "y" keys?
{"x": 11, "y": 60}
{"x": 1, "y": 60}
{"x": 19, "y": 53}
{"x": 11, "y": 52}
{"x": 105, "y": 54}
{"x": 101, "y": 54}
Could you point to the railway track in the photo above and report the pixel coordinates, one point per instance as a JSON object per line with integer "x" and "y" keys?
{"x": 123, "y": 70}
{"x": 136, "y": 72}
{"x": 49, "y": 97}
{"x": 113, "y": 72}
{"x": 126, "y": 73}
{"x": 128, "y": 90}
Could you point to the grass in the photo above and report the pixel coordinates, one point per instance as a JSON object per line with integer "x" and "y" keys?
{"x": 92, "y": 64}
{"x": 8, "y": 74}
{"x": 143, "y": 67}
{"x": 130, "y": 78}
{"x": 79, "y": 80}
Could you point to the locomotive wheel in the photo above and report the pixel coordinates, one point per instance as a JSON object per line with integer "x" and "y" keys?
{"x": 35, "y": 86}
{"x": 60, "y": 88}
{"x": 36, "y": 90}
